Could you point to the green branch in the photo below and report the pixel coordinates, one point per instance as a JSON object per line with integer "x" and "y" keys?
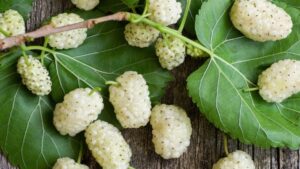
{"x": 185, "y": 15}
{"x": 164, "y": 29}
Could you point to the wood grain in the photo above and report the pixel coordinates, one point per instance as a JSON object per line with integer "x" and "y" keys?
{"x": 206, "y": 144}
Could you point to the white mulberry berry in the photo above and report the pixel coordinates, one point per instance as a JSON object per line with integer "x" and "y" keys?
{"x": 172, "y": 130}
{"x": 79, "y": 109}
{"x": 12, "y": 22}
{"x": 67, "y": 163}
{"x": 140, "y": 34}
{"x": 280, "y": 81}
{"x": 260, "y": 20}
{"x": 108, "y": 145}
{"x": 235, "y": 160}
{"x": 170, "y": 51}
{"x": 131, "y": 101}
{"x": 86, "y": 4}
{"x": 68, "y": 39}
{"x": 34, "y": 75}
{"x": 166, "y": 12}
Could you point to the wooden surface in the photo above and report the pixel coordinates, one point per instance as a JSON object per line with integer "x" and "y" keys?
{"x": 206, "y": 144}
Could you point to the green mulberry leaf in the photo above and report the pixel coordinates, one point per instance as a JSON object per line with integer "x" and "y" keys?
{"x": 119, "y": 5}
{"x": 27, "y": 136}
{"x": 22, "y": 6}
{"x": 131, "y": 3}
{"x": 218, "y": 86}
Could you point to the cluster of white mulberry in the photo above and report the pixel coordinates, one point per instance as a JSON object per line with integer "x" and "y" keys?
{"x": 171, "y": 51}
{"x": 261, "y": 20}
{"x": 130, "y": 94}
{"x": 275, "y": 84}
{"x": 130, "y": 98}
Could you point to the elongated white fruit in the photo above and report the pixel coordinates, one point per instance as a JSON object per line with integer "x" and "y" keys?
{"x": 67, "y": 163}
{"x": 280, "y": 81}
{"x": 79, "y": 109}
{"x": 86, "y": 4}
{"x": 172, "y": 130}
{"x": 108, "y": 145}
{"x": 166, "y": 12}
{"x": 131, "y": 100}
{"x": 12, "y": 23}
{"x": 235, "y": 160}
{"x": 34, "y": 75}
{"x": 68, "y": 39}
{"x": 261, "y": 20}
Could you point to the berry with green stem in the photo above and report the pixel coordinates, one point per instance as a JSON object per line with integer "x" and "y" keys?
{"x": 68, "y": 39}
{"x": 166, "y": 12}
{"x": 130, "y": 99}
{"x": 280, "y": 81}
{"x": 170, "y": 51}
{"x": 11, "y": 24}
{"x": 79, "y": 109}
{"x": 140, "y": 34}
{"x": 34, "y": 75}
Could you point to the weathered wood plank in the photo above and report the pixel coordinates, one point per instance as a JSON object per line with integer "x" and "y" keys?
{"x": 207, "y": 142}
{"x": 288, "y": 159}
{"x": 4, "y": 164}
